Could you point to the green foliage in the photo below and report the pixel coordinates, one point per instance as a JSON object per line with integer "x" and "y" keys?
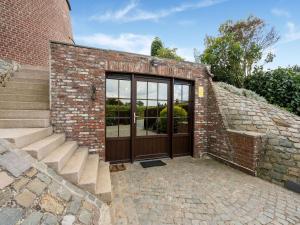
{"x": 155, "y": 46}
{"x": 237, "y": 49}
{"x": 280, "y": 87}
{"x": 179, "y": 115}
{"x": 158, "y": 50}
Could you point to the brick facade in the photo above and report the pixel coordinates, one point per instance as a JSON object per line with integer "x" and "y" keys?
{"x": 26, "y": 26}
{"x": 74, "y": 69}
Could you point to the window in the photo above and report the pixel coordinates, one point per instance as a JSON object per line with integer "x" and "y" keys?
{"x": 118, "y": 107}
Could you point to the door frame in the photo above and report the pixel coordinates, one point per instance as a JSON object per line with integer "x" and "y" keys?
{"x": 171, "y": 82}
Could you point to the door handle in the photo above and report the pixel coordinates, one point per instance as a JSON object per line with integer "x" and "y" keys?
{"x": 134, "y": 117}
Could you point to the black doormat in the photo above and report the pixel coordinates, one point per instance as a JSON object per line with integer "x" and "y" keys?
{"x": 152, "y": 163}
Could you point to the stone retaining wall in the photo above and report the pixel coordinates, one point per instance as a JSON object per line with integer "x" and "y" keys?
{"x": 280, "y": 158}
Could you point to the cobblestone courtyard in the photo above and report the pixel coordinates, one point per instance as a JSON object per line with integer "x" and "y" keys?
{"x": 193, "y": 191}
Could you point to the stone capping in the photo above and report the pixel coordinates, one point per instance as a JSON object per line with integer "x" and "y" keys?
{"x": 105, "y": 218}
{"x": 161, "y": 60}
{"x": 247, "y": 133}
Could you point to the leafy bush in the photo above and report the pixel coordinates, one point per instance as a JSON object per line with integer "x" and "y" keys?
{"x": 179, "y": 115}
{"x": 280, "y": 87}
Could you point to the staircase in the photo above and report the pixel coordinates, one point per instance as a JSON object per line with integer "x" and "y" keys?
{"x": 24, "y": 121}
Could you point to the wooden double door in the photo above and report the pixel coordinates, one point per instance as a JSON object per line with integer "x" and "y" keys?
{"x": 147, "y": 117}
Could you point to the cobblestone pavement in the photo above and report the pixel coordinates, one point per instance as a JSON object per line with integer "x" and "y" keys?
{"x": 194, "y": 191}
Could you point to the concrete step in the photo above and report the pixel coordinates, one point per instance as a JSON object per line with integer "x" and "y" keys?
{"x": 58, "y": 158}
{"x": 24, "y": 98}
{"x": 103, "y": 189}
{"x": 21, "y": 137}
{"x": 42, "y": 148}
{"x": 24, "y": 114}
{"x": 31, "y": 86}
{"x": 24, "y": 123}
{"x": 74, "y": 167}
{"x": 88, "y": 179}
{"x": 24, "y": 105}
{"x": 29, "y": 80}
{"x": 23, "y": 91}
{"x": 32, "y": 74}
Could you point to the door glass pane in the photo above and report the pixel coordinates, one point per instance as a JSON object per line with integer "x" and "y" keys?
{"x": 141, "y": 127}
{"x": 162, "y": 125}
{"x": 141, "y": 106}
{"x": 185, "y": 92}
{"x": 124, "y": 127}
{"x": 177, "y": 93}
{"x": 141, "y": 90}
{"x": 111, "y": 127}
{"x": 124, "y": 108}
{"x": 124, "y": 88}
{"x": 111, "y": 107}
{"x": 181, "y": 109}
{"x": 180, "y": 125}
{"x": 152, "y": 109}
{"x": 162, "y": 108}
{"x": 111, "y": 88}
{"x": 152, "y": 126}
{"x": 152, "y": 90}
{"x": 162, "y": 91}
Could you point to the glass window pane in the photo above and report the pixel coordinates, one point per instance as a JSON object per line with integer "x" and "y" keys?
{"x": 152, "y": 126}
{"x": 181, "y": 125}
{"x": 162, "y": 108}
{"x": 162, "y": 125}
{"x": 152, "y": 109}
{"x": 124, "y": 108}
{"x": 185, "y": 92}
{"x": 177, "y": 93}
{"x": 125, "y": 89}
{"x": 141, "y": 106}
{"x": 124, "y": 127}
{"x": 111, "y": 127}
{"x": 141, "y": 90}
{"x": 181, "y": 109}
{"x": 141, "y": 127}
{"x": 162, "y": 91}
{"x": 111, "y": 88}
{"x": 111, "y": 107}
{"x": 152, "y": 90}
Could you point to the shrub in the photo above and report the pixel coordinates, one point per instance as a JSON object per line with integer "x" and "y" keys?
{"x": 280, "y": 87}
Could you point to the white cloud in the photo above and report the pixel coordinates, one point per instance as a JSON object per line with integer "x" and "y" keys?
{"x": 293, "y": 33}
{"x": 186, "y": 53}
{"x": 128, "y": 42}
{"x": 131, "y": 12}
{"x": 280, "y": 12}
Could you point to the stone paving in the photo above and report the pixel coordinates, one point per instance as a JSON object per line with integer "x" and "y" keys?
{"x": 195, "y": 191}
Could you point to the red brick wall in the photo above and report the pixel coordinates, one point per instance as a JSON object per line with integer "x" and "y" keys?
{"x": 74, "y": 69}
{"x": 237, "y": 148}
{"x": 26, "y": 26}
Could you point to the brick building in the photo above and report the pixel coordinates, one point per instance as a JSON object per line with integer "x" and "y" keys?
{"x": 26, "y": 27}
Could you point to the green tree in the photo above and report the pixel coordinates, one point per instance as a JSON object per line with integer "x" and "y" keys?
{"x": 158, "y": 50}
{"x": 156, "y": 45}
{"x": 247, "y": 39}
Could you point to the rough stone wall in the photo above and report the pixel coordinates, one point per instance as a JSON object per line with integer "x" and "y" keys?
{"x": 7, "y": 68}
{"x": 73, "y": 71}
{"x": 280, "y": 160}
{"x": 27, "y": 26}
{"x": 236, "y": 148}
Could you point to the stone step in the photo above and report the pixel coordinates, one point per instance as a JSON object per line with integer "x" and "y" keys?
{"x": 24, "y": 123}
{"x": 29, "y": 80}
{"x": 24, "y": 114}
{"x": 103, "y": 189}
{"x": 24, "y": 98}
{"x": 31, "y": 86}
{"x": 74, "y": 167}
{"x": 58, "y": 158}
{"x": 23, "y": 91}
{"x": 21, "y": 137}
{"x": 24, "y": 105}
{"x": 42, "y": 148}
{"x": 32, "y": 74}
{"x": 88, "y": 179}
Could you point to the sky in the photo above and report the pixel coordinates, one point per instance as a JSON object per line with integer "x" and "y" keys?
{"x": 131, "y": 25}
